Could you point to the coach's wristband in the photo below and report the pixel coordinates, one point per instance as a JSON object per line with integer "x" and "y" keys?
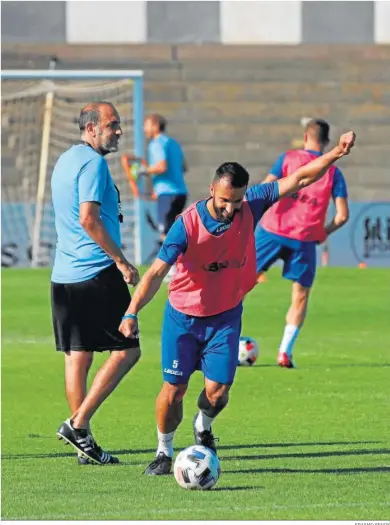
{"x": 129, "y": 316}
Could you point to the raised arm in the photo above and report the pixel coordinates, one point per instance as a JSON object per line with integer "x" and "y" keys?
{"x": 317, "y": 168}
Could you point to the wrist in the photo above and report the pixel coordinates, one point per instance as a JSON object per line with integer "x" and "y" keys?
{"x": 338, "y": 152}
{"x": 129, "y": 316}
{"x": 119, "y": 260}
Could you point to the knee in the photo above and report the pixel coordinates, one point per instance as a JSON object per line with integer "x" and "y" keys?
{"x": 88, "y": 366}
{"x": 128, "y": 358}
{"x": 213, "y": 401}
{"x": 219, "y": 398}
{"x": 300, "y": 300}
{"x": 88, "y": 361}
{"x": 175, "y": 393}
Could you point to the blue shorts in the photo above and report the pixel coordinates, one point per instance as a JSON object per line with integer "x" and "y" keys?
{"x": 300, "y": 258}
{"x": 209, "y": 344}
{"x": 168, "y": 208}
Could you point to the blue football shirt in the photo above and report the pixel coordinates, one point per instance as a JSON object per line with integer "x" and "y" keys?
{"x": 172, "y": 181}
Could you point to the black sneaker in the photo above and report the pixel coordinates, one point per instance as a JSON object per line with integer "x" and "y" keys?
{"x": 205, "y": 438}
{"x": 107, "y": 458}
{"x": 84, "y": 443}
{"x": 160, "y": 466}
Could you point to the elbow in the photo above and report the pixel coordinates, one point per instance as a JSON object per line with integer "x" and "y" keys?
{"x": 342, "y": 218}
{"x": 87, "y": 222}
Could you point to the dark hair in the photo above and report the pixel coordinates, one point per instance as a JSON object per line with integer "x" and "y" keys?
{"x": 319, "y": 130}
{"x": 237, "y": 174}
{"x": 91, "y": 113}
{"x": 159, "y": 120}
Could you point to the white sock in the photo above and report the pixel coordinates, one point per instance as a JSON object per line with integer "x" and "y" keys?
{"x": 290, "y": 334}
{"x": 203, "y": 422}
{"x": 165, "y": 443}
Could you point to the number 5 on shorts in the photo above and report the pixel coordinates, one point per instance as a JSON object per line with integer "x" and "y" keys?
{"x": 175, "y": 363}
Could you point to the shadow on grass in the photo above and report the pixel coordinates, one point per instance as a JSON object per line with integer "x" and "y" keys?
{"x": 330, "y": 453}
{"x": 354, "y": 470}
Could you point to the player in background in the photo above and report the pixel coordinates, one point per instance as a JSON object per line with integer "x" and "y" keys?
{"x": 166, "y": 166}
{"x": 291, "y": 229}
{"x": 213, "y": 244}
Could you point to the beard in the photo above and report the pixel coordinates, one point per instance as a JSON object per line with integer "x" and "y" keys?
{"x": 221, "y": 215}
{"x": 111, "y": 146}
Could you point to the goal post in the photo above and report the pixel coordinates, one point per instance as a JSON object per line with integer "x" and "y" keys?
{"x": 40, "y": 109}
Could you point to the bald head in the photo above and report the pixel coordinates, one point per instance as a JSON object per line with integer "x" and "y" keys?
{"x": 99, "y": 124}
{"x": 93, "y": 111}
{"x": 316, "y": 134}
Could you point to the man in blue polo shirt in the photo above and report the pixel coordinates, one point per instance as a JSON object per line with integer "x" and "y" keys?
{"x": 89, "y": 292}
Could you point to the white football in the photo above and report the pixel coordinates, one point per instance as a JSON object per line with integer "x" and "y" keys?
{"x": 248, "y": 351}
{"x": 197, "y": 468}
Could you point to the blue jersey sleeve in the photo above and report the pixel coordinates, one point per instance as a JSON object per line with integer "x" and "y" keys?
{"x": 156, "y": 152}
{"x": 339, "y": 188}
{"x": 175, "y": 243}
{"x": 92, "y": 181}
{"x": 277, "y": 168}
{"x": 260, "y": 197}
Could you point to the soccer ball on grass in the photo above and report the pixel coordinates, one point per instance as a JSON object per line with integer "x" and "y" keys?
{"x": 197, "y": 468}
{"x": 248, "y": 351}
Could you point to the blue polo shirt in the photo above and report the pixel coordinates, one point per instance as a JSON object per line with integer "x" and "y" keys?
{"x": 81, "y": 175}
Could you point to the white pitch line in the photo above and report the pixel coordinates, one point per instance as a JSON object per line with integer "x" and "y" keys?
{"x": 130, "y": 514}
{"x": 27, "y": 340}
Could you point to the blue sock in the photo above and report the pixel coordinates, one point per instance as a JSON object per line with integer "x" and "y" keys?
{"x": 290, "y": 334}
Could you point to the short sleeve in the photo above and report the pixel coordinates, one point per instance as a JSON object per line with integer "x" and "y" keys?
{"x": 260, "y": 197}
{"x": 339, "y": 188}
{"x": 92, "y": 181}
{"x": 277, "y": 168}
{"x": 175, "y": 243}
{"x": 157, "y": 153}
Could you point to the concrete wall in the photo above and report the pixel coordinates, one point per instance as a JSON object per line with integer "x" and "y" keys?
{"x": 224, "y": 21}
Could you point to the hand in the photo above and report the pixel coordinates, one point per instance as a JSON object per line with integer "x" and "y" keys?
{"x": 129, "y": 328}
{"x": 137, "y": 170}
{"x": 129, "y": 272}
{"x": 346, "y": 142}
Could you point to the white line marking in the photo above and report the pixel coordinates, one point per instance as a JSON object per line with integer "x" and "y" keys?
{"x": 131, "y": 514}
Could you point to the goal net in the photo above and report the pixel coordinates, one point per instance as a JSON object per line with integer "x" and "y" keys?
{"x": 39, "y": 122}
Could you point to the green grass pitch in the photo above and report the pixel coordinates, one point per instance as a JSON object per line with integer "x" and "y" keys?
{"x": 309, "y": 444}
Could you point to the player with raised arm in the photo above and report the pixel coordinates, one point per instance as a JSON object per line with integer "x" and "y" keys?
{"x": 293, "y": 228}
{"x": 213, "y": 246}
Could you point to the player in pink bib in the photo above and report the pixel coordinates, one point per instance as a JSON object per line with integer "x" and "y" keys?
{"x": 292, "y": 229}
{"x": 213, "y": 245}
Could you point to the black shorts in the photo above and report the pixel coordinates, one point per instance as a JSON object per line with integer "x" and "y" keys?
{"x": 87, "y": 315}
{"x": 168, "y": 208}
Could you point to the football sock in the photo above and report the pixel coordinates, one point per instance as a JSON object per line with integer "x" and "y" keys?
{"x": 165, "y": 443}
{"x": 290, "y": 334}
{"x": 203, "y": 422}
